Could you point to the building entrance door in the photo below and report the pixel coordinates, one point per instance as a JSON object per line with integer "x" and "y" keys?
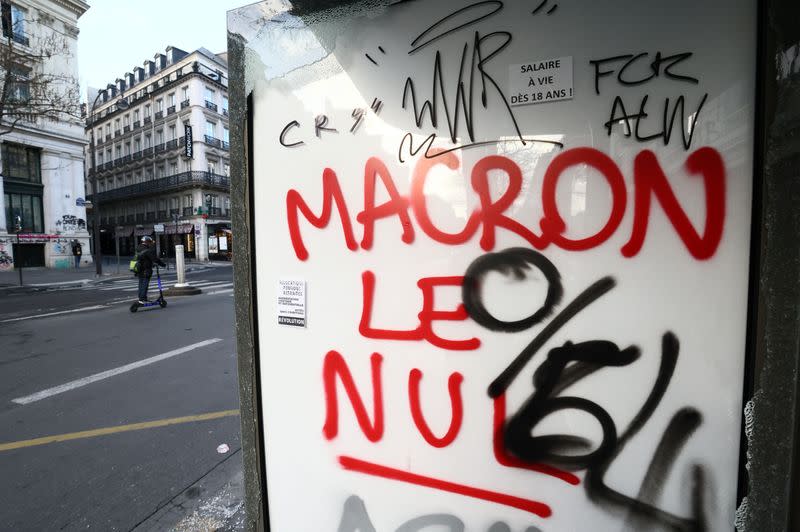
{"x": 29, "y": 255}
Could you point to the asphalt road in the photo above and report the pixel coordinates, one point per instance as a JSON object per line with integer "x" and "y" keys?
{"x": 143, "y": 401}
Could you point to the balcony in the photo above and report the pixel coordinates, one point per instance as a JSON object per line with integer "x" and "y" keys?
{"x": 226, "y": 145}
{"x": 215, "y": 211}
{"x": 184, "y": 104}
{"x": 136, "y": 124}
{"x": 224, "y": 111}
{"x": 126, "y": 129}
{"x": 188, "y": 211}
{"x": 160, "y": 148}
{"x": 170, "y": 110}
{"x": 147, "y": 152}
{"x": 211, "y": 141}
{"x": 159, "y": 114}
{"x": 211, "y": 105}
{"x": 168, "y": 184}
{"x": 174, "y": 212}
{"x": 162, "y": 215}
{"x": 150, "y": 216}
{"x": 137, "y": 155}
{"x": 147, "y": 120}
{"x": 117, "y": 133}
{"x": 108, "y": 137}
{"x": 127, "y": 159}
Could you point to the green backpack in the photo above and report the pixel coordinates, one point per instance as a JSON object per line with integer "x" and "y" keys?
{"x": 134, "y": 265}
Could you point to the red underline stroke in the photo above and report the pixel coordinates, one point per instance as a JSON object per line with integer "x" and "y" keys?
{"x": 354, "y": 464}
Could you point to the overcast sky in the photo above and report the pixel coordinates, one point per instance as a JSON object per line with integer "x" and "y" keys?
{"x": 117, "y": 35}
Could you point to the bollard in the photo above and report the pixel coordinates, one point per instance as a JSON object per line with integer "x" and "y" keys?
{"x": 180, "y": 265}
{"x": 181, "y": 287}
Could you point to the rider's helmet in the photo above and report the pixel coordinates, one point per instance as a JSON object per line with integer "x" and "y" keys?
{"x": 147, "y": 239}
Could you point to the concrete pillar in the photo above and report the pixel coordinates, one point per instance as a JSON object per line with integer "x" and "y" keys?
{"x": 181, "y": 287}
{"x": 180, "y": 265}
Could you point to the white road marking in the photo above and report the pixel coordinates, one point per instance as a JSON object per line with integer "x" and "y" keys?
{"x": 83, "y": 309}
{"x": 228, "y": 291}
{"x": 38, "y": 396}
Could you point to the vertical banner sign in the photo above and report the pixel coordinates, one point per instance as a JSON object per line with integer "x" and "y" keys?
{"x": 527, "y": 229}
{"x": 189, "y": 146}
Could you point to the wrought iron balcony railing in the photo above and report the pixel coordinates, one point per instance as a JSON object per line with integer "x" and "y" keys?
{"x": 167, "y": 184}
{"x": 211, "y": 105}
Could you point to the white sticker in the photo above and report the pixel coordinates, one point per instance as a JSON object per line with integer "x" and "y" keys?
{"x": 292, "y": 302}
{"x": 546, "y": 80}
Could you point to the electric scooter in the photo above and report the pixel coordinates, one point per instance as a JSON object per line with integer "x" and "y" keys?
{"x": 159, "y": 301}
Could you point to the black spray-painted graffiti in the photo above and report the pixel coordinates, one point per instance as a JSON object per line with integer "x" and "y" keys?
{"x": 70, "y": 223}
{"x": 569, "y": 364}
{"x": 457, "y": 100}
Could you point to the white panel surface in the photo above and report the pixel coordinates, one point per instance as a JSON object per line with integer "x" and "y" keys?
{"x": 622, "y": 212}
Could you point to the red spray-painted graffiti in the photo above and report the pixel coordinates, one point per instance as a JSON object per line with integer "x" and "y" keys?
{"x": 649, "y": 181}
{"x": 511, "y": 441}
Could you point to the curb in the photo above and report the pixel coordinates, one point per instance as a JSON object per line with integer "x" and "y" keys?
{"x": 214, "y": 502}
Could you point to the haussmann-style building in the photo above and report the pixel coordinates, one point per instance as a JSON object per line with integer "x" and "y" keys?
{"x": 41, "y": 136}
{"x": 160, "y": 165}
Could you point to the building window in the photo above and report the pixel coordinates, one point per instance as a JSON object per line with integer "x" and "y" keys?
{"x": 173, "y": 168}
{"x": 160, "y": 136}
{"x": 171, "y": 100}
{"x": 226, "y": 168}
{"x": 185, "y": 93}
{"x": 227, "y": 204}
{"x": 173, "y": 133}
{"x": 211, "y": 96}
{"x": 211, "y": 129}
{"x": 212, "y": 167}
{"x": 16, "y": 16}
{"x": 127, "y": 148}
{"x": 137, "y": 145}
{"x": 21, "y": 163}
{"x": 29, "y": 209}
{"x": 147, "y": 111}
{"x": 126, "y": 120}
{"x": 149, "y": 174}
{"x": 136, "y": 115}
{"x": 137, "y": 177}
{"x": 108, "y": 130}
{"x": 99, "y": 133}
{"x": 159, "y": 105}
{"x": 225, "y": 104}
{"x": 188, "y": 201}
{"x": 226, "y": 135}
{"x": 148, "y": 141}
{"x": 19, "y": 85}
{"x": 100, "y": 158}
{"x": 108, "y": 155}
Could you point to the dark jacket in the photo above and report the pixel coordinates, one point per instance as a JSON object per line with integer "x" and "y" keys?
{"x": 147, "y": 257}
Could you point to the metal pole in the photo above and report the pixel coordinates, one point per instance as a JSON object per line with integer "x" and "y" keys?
{"x": 95, "y": 195}
{"x": 18, "y": 264}
{"x": 116, "y": 235}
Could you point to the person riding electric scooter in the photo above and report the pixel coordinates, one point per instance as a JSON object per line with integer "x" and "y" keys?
{"x": 146, "y": 258}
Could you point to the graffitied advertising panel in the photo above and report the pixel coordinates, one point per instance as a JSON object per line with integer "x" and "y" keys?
{"x": 522, "y": 230}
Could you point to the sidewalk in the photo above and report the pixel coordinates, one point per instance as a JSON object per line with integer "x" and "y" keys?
{"x": 43, "y": 278}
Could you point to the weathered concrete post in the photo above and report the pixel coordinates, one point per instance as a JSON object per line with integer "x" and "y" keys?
{"x": 181, "y": 287}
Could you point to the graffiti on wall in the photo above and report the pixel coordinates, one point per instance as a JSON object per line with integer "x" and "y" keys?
{"x": 70, "y": 223}
{"x": 561, "y": 364}
{"x": 6, "y": 255}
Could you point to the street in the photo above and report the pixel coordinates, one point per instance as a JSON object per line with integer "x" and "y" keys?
{"x": 107, "y": 417}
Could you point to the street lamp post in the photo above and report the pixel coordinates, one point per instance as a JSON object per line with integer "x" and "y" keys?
{"x": 122, "y": 104}
{"x": 17, "y": 261}
{"x": 175, "y": 217}
{"x": 208, "y": 236}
